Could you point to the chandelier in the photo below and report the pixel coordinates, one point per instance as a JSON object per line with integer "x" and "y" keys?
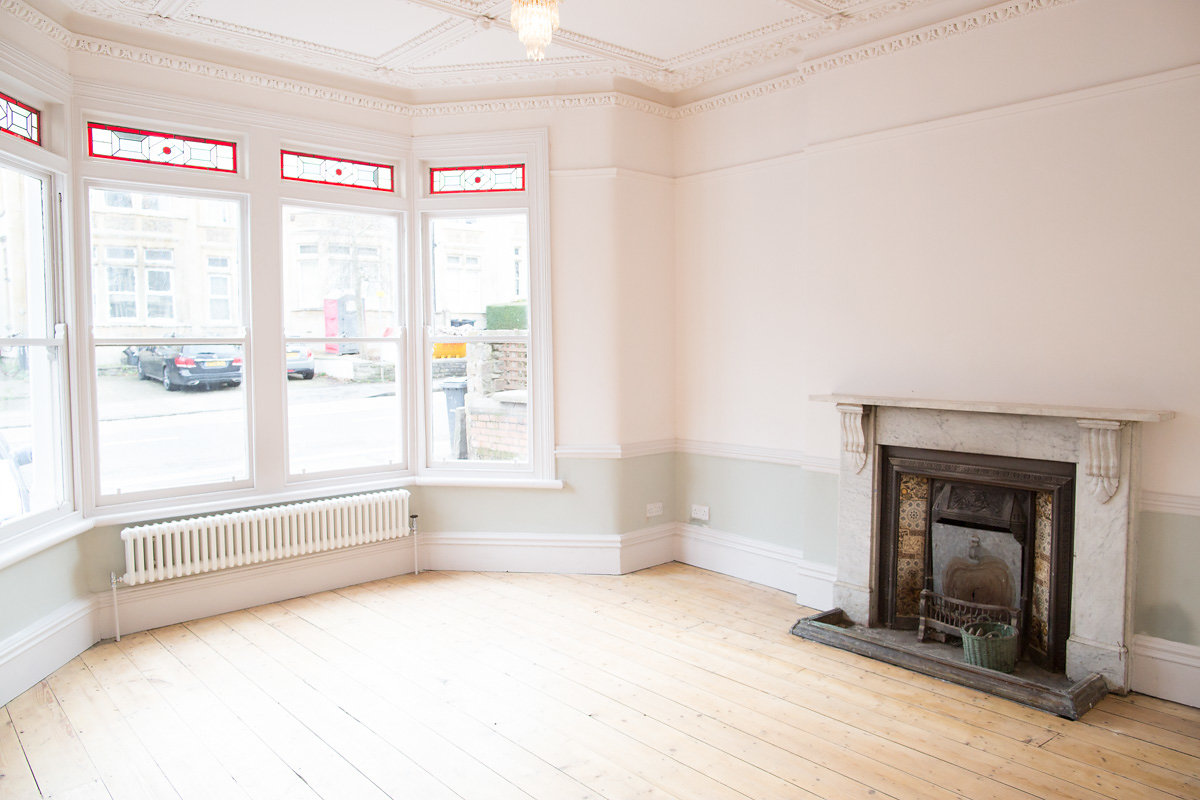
{"x": 535, "y": 21}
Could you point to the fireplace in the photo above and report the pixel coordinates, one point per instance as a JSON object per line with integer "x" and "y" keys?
{"x": 969, "y": 536}
{"x": 952, "y": 511}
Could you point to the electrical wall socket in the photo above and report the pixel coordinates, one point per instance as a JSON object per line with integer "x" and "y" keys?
{"x": 654, "y": 509}
{"x": 700, "y": 513}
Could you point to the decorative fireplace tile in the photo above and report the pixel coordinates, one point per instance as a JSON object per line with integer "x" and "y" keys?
{"x": 910, "y": 549}
{"x": 1043, "y": 533}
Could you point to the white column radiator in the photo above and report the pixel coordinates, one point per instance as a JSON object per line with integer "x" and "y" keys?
{"x": 218, "y": 541}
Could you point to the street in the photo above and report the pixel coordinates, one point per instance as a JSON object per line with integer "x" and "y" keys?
{"x": 152, "y": 439}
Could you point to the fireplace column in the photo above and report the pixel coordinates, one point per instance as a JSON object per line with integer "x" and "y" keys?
{"x": 853, "y": 592}
{"x": 1102, "y": 591}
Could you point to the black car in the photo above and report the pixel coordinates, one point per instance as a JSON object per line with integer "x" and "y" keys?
{"x": 177, "y": 365}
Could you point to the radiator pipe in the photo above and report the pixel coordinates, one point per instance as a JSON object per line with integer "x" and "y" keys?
{"x": 116, "y": 614}
{"x": 412, "y": 531}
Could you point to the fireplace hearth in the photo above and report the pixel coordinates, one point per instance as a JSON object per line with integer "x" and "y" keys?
{"x": 954, "y": 511}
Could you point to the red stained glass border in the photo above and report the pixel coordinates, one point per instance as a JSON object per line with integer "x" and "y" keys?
{"x": 434, "y": 170}
{"x": 101, "y": 126}
{"x": 391, "y": 171}
{"x": 37, "y": 115}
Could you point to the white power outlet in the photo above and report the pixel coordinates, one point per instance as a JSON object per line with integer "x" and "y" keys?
{"x": 654, "y": 509}
{"x": 700, "y": 513}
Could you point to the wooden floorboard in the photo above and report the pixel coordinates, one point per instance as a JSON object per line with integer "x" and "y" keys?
{"x": 669, "y": 684}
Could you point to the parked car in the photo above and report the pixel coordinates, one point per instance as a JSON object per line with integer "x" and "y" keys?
{"x": 300, "y": 362}
{"x": 177, "y": 365}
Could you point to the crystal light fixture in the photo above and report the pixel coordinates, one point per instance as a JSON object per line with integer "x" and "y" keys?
{"x": 535, "y": 21}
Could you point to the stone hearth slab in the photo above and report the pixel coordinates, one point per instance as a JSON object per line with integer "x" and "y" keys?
{"x": 1030, "y": 685}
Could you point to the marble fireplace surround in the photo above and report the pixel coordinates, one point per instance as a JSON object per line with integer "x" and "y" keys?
{"x": 1104, "y": 444}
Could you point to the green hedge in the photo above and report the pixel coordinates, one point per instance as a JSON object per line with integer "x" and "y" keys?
{"x": 508, "y": 317}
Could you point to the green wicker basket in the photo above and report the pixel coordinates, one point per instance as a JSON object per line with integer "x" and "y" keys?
{"x": 992, "y": 645}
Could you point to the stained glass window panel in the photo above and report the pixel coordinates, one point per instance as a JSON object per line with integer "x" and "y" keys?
{"x": 335, "y": 171}
{"x": 456, "y": 180}
{"x": 153, "y": 147}
{"x": 20, "y": 120}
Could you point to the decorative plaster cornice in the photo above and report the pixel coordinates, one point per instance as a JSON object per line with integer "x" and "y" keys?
{"x": 562, "y": 68}
{"x": 1003, "y": 12}
{"x": 546, "y": 102}
{"x": 27, "y": 14}
{"x": 740, "y": 95}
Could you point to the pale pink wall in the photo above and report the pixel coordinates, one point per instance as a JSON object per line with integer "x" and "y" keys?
{"x": 1041, "y": 252}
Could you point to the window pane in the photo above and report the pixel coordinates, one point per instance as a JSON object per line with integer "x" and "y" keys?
{"x": 31, "y": 447}
{"x": 121, "y": 279}
{"x": 479, "y": 406}
{"x": 23, "y": 299}
{"x": 160, "y": 307}
{"x": 158, "y": 280}
{"x": 340, "y": 293}
{"x": 344, "y": 411}
{"x": 131, "y": 244}
{"x": 170, "y": 416}
{"x": 480, "y": 275}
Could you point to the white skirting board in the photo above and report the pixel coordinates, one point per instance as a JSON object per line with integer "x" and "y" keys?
{"x": 1166, "y": 669}
{"x": 753, "y": 560}
{"x": 30, "y": 655}
{"x": 1161, "y": 668}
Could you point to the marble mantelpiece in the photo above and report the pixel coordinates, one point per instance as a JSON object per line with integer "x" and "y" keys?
{"x": 1104, "y": 443}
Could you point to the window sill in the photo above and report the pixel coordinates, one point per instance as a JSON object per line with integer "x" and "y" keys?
{"x": 160, "y": 509}
{"x": 33, "y": 541}
{"x": 489, "y": 482}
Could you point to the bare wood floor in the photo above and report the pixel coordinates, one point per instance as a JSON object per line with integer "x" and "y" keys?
{"x": 668, "y": 683}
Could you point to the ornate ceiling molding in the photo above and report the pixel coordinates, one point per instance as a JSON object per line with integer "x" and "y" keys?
{"x": 563, "y": 68}
{"x": 1002, "y": 12}
{"x": 989, "y": 16}
{"x": 685, "y": 71}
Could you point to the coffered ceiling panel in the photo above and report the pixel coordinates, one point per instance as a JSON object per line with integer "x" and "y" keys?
{"x": 366, "y": 27}
{"x": 472, "y": 47}
{"x": 667, "y": 30}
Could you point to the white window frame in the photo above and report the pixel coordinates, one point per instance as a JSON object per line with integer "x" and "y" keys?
{"x": 530, "y": 148}
{"x": 48, "y": 526}
{"x": 404, "y": 370}
{"x": 95, "y": 503}
{"x": 258, "y": 254}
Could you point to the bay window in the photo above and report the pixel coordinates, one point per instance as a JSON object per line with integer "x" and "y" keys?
{"x": 34, "y": 479}
{"x": 394, "y": 336}
{"x": 342, "y": 327}
{"x": 154, "y": 335}
{"x": 484, "y": 309}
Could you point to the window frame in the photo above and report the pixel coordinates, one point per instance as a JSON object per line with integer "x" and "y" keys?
{"x": 59, "y": 292}
{"x": 95, "y": 502}
{"x": 264, "y": 338}
{"x": 501, "y": 149}
{"x": 400, "y": 305}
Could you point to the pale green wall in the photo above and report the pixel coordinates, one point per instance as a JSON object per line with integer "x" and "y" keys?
{"x": 42, "y": 584}
{"x": 600, "y": 496}
{"x": 1167, "y": 597}
{"x": 777, "y": 503}
{"x": 774, "y": 503}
